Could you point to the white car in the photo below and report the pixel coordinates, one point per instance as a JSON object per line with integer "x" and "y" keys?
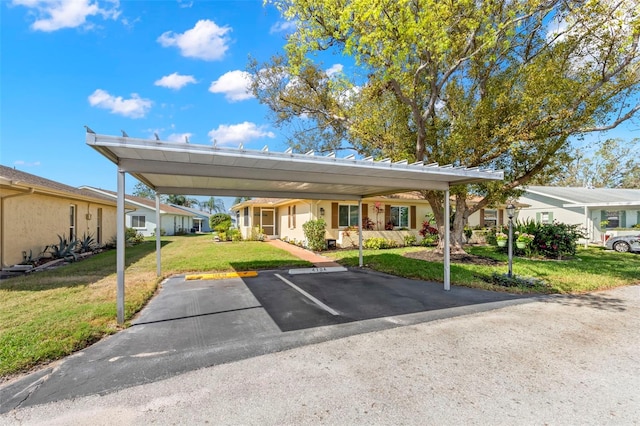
{"x": 624, "y": 243}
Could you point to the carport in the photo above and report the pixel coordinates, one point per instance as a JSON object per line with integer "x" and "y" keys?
{"x": 192, "y": 169}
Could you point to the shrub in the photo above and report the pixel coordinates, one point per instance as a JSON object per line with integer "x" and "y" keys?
{"x": 132, "y": 237}
{"x": 234, "y": 234}
{"x": 555, "y": 240}
{"x": 409, "y": 240}
{"x": 314, "y": 232}
{"x": 379, "y": 243}
{"x": 427, "y": 229}
{"x": 367, "y": 224}
{"x": 468, "y": 232}
{"x": 218, "y": 219}
{"x": 86, "y": 244}
{"x": 257, "y": 234}
{"x": 65, "y": 249}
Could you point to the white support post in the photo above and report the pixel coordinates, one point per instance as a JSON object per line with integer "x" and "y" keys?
{"x": 447, "y": 249}
{"x": 158, "y": 232}
{"x": 120, "y": 247}
{"x": 587, "y": 229}
{"x": 360, "y": 261}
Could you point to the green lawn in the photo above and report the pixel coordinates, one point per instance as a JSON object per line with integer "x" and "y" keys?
{"x": 592, "y": 269}
{"x": 47, "y": 315}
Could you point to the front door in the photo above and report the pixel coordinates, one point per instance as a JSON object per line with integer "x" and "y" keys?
{"x": 267, "y": 221}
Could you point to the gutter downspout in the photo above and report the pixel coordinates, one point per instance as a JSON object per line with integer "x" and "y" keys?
{"x": 30, "y": 191}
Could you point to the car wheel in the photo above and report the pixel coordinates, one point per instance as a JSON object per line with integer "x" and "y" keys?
{"x": 621, "y": 247}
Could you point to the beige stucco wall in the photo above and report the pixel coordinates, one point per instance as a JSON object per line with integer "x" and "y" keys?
{"x": 31, "y": 222}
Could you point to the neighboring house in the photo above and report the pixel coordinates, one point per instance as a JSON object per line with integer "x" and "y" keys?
{"x": 172, "y": 220}
{"x": 392, "y": 217}
{"x": 200, "y": 218}
{"x": 35, "y": 210}
{"x": 490, "y": 217}
{"x": 597, "y": 210}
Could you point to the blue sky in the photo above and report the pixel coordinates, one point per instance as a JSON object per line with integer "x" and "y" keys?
{"x": 171, "y": 67}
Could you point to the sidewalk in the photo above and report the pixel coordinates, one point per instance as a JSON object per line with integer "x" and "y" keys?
{"x": 309, "y": 256}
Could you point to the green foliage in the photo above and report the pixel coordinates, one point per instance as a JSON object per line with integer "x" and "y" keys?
{"x": 257, "y": 234}
{"x": 556, "y": 240}
{"x": 505, "y": 280}
{"x": 143, "y": 191}
{"x": 614, "y": 165}
{"x": 86, "y": 244}
{"x": 314, "y": 232}
{"x": 481, "y": 84}
{"x": 65, "y": 249}
{"x": 410, "y": 240}
{"x": 377, "y": 243}
{"x": 213, "y": 205}
{"x": 234, "y": 235}
{"x": 132, "y": 237}
{"x": 219, "y": 218}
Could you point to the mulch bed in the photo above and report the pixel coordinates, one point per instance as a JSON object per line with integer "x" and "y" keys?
{"x": 432, "y": 256}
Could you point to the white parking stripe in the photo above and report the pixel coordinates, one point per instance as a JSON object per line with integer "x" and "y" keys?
{"x": 308, "y": 296}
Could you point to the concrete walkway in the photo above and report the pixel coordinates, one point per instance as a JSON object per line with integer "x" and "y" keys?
{"x": 309, "y": 256}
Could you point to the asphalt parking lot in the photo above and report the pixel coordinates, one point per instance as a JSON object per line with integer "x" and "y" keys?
{"x": 192, "y": 324}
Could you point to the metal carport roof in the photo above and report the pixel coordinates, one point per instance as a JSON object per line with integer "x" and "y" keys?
{"x": 193, "y": 169}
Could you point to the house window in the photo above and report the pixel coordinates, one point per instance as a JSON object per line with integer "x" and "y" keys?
{"x": 246, "y": 216}
{"x": 399, "y": 216}
{"x": 347, "y": 215}
{"x": 291, "y": 217}
{"x": 72, "y": 222}
{"x": 138, "y": 222}
{"x": 544, "y": 217}
{"x": 613, "y": 217}
{"x": 490, "y": 218}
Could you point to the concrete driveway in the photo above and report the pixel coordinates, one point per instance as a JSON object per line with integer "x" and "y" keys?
{"x": 193, "y": 324}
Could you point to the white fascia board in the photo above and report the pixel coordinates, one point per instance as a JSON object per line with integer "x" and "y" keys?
{"x": 608, "y": 204}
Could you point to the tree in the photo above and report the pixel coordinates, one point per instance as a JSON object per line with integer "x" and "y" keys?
{"x": 497, "y": 84}
{"x": 213, "y": 205}
{"x": 181, "y": 200}
{"x": 239, "y": 200}
{"x": 614, "y": 165}
{"x": 142, "y": 190}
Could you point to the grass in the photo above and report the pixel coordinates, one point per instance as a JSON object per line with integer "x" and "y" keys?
{"x": 48, "y": 315}
{"x": 592, "y": 269}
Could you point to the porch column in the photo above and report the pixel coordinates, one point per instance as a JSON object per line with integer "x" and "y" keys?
{"x": 447, "y": 266}
{"x": 360, "y": 262}
{"x": 158, "y": 232}
{"x": 587, "y": 230}
{"x": 120, "y": 247}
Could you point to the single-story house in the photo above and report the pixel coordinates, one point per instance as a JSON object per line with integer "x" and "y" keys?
{"x": 200, "y": 218}
{"x": 143, "y": 219}
{"x": 35, "y": 210}
{"x": 600, "y": 211}
{"x": 391, "y": 217}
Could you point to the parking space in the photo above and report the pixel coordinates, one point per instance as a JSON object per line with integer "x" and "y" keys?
{"x": 299, "y": 301}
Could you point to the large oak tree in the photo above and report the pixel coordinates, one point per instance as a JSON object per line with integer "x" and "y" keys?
{"x": 500, "y": 84}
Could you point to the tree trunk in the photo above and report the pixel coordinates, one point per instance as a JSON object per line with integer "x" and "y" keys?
{"x": 456, "y": 236}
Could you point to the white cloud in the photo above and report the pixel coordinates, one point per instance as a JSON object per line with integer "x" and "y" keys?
{"x": 228, "y": 134}
{"x": 283, "y": 27}
{"x": 175, "y": 81}
{"x": 135, "y": 107}
{"x": 26, "y": 164}
{"x": 205, "y": 40}
{"x": 234, "y": 85}
{"x": 179, "y": 137}
{"x": 52, "y": 15}
{"x": 334, "y": 69}
{"x": 184, "y": 4}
